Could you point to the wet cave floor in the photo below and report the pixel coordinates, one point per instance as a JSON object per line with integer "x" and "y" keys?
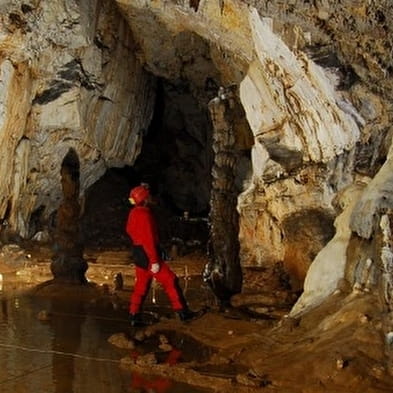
{"x": 63, "y": 339}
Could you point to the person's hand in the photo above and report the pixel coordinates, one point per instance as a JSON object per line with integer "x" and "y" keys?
{"x": 155, "y": 268}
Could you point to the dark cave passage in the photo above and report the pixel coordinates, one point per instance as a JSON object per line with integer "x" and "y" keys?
{"x": 105, "y": 212}
{"x": 188, "y": 173}
{"x": 175, "y": 160}
{"x": 176, "y": 157}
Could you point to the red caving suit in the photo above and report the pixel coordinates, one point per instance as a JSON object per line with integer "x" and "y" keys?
{"x": 142, "y": 229}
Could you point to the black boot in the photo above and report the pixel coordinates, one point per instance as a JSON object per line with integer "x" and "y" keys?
{"x": 135, "y": 320}
{"x": 187, "y": 315}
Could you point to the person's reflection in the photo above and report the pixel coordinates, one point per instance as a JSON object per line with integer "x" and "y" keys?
{"x": 67, "y": 339}
{"x": 173, "y": 357}
{"x": 143, "y": 384}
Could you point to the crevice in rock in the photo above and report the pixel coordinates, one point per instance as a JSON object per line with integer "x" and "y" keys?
{"x": 194, "y": 4}
{"x": 55, "y": 91}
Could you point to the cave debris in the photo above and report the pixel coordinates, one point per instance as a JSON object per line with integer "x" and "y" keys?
{"x": 120, "y": 340}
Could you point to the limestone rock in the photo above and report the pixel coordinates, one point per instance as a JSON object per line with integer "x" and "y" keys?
{"x": 121, "y": 341}
{"x": 328, "y": 268}
{"x": 70, "y": 80}
{"x": 376, "y": 197}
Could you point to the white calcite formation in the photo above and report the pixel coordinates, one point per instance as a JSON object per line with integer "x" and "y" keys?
{"x": 328, "y": 267}
{"x": 291, "y": 104}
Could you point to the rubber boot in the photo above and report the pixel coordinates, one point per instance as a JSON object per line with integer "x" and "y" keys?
{"x": 187, "y": 315}
{"x": 135, "y": 320}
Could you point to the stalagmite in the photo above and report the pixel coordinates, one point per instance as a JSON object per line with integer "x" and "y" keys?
{"x": 224, "y": 271}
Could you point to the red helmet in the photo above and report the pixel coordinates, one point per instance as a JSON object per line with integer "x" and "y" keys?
{"x": 139, "y": 194}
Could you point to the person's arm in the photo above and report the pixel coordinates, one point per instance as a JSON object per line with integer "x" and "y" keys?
{"x": 128, "y": 226}
{"x": 149, "y": 236}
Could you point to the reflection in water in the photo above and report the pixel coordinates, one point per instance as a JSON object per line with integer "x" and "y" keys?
{"x": 63, "y": 367}
{"x": 69, "y": 352}
{"x": 20, "y": 368}
{"x": 173, "y": 357}
{"x": 4, "y": 309}
{"x": 143, "y": 384}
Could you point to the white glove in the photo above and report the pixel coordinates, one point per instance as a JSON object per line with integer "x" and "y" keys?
{"x": 155, "y": 268}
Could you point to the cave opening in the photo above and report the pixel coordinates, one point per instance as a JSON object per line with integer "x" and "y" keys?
{"x": 180, "y": 160}
{"x": 175, "y": 160}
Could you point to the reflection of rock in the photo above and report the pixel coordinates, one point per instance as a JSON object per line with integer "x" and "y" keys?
{"x": 276, "y": 298}
{"x": 13, "y": 258}
{"x": 44, "y": 315}
{"x": 118, "y": 281}
{"x": 69, "y": 268}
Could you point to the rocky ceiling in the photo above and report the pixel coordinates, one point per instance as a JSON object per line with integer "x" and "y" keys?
{"x": 313, "y": 80}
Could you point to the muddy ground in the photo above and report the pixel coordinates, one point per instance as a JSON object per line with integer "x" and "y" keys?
{"x": 252, "y": 346}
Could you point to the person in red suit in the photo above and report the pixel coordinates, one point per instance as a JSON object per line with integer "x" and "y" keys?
{"x": 141, "y": 227}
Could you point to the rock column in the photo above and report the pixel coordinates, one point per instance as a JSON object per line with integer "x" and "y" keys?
{"x": 224, "y": 218}
{"x": 68, "y": 265}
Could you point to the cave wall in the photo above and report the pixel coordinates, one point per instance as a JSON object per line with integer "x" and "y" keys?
{"x": 69, "y": 79}
{"x": 303, "y": 134}
{"x": 350, "y": 41}
{"x": 313, "y": 78}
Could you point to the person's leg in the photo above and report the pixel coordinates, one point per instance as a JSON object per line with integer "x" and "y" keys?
{"x": 168, "y": 280}
{"x": 141, "y": 287}
{"x": 170, "y": 283}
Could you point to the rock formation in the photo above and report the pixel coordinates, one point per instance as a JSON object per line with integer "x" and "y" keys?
{"x": 68, "y": 265}
{"x": 313, "y": 79}
{"x": 69, "y": 79}
{"x": 225, "y": 271}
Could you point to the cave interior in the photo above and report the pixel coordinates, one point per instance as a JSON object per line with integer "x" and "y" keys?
{"x": 175, "y": 160}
